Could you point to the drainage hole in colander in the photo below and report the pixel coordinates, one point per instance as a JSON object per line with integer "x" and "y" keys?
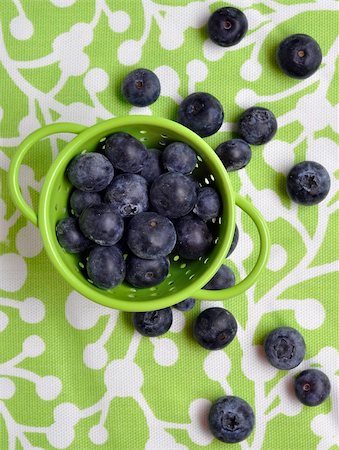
{"x": 170, "y": 283}
{"x": 154, "y": 294}
{"x": 213, "y": 220}
{"x": 90, "y": 281}
{"x": 133, "y": 290}
{"x": 81, "y": 265}
{"x": 216, "y": 240}
{"x": 164, "y": 136}
{"x": 212, "y": 177}
{"x": 103, "y": 139}
{"x": 206, "y": 261}
{"x": 162, "y": 143}
{"x": 220, "y": 220}
{"x": 131, "y": 295}
{"x": 169, "y": 275}
{"x": 207, "y": 181}
{"x": 84, "y": 151}
{"x": 143, "y": 139}
{"x": 192, "y": 276}
{"x": 188, "y": 272}
{"x": 183, "y": 265}
{"x": 199, "y": 158}
{"x": 176, "y": 257}
{"x": 143, "y": 131}
{"x": 171, "y": 288}
{"x": 153, "y": 288}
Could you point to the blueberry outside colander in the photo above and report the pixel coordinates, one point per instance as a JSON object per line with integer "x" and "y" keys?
{"x": 186, "y": 278}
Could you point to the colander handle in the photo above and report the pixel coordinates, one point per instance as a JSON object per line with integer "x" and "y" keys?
{"x": 223, "y": 294}
{"x": 14, "y": 169}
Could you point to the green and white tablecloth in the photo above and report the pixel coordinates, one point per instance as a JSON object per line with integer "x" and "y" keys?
{"x": 74, "y": 374}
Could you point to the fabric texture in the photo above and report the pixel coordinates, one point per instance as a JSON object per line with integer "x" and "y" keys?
{"x": 74, "y": 374}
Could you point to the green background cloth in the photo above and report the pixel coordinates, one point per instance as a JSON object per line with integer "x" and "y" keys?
{"x": 74, "y": 374}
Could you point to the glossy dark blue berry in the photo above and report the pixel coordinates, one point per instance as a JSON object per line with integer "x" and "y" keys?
{"x": 128, "y": 193}
{"x": 308, "y": 183}
{"x": 285, "y": 348}
{"x": 257, "y": 125}
{"x": 90, "y": 172}
{"x": 202, "y": 113}
{"x": 102, "y": 224}
{"x": 227, "y": 26}
{"x": 231, "y": 419}
{"x": 106, "y": 267}
{"x": 179, "y": 157}
{"x": 299, "y": 56}
{"x": 234, "y": 154}
{"x": 141, "y": 87}
{"x": 125, "y": 152}
{"x": 214, "y": 328}
{"x": 185, "y": 305}
{"x": 152, "y": 167}
{"x": 153, "y": 323}
{"x": 234, "y": 241}
{"x": 150, "y": 235}
{"x": 142, "y": 273}
{"x": 70, "y": 236}
{"x": 79, "y": 200}
{"x": 208, "y": 203}
{"x": 223, "y": 279}
{"x": 312, "y": 387}
{"x": 194, "y": 239}
{"x": 173, "y": 194}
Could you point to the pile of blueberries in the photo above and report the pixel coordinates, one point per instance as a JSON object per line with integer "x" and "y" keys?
{"x": 148, "y": 203}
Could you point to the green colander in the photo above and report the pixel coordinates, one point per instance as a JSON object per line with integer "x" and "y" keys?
{"x": 186, "y": 278}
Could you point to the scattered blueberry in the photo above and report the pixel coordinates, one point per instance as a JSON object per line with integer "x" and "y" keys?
{"x": 153, "y": 323}
{"x": 231, "y": 419}
{"x": 312, "y": 387}
{"x": 227, "y": 26}
{"x": 223, "y": 279}
{"x": 102, "y": 224}
{"x": 142, "y": 273}
{"x": 308, "y": 183}
{"x": 208, "y": 204}
{"x": 185, "y": 305}
{"x": 90, "y": 172}
{"x": 214, "y": 328}
{"x": 201, "y": 113}
{"x": 150, "y": 235}
{"x": 299, "y": 56}
{"x": 152, "y": 167}
{"x": 79, "y": 200}
{"x": 234, "y": 154}
{"x": 257, "y": 125}
{"x": 125, "y": 152}
{"x": 234, "y": 241}
{"x": 70, "y": 236}
{"x": 285, "y": 348}
{"x": 106, "y": 267}
{"x": 141, "y": 87}
{"x": 194, "y": 239}
{"x": 173, "y": 194}
{"x": 179, "y": 157}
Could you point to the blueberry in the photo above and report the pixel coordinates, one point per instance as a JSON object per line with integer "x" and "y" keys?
{"x": 234, "y": 241}
{"x": 201, "y": 113}
{"x": 308, "y": 183}
{"x": 106, "y": 267}
{"x": 214, "y": 328}
{"x": 185, "y": 305}
{"x": 227, "y": 26}
{"x": 90, "y": 172}
{"x": 102, "y": 224}
{"x": 208, "y": 204}
{"x": 142, "y": 273}
{"x": 179, "y": 157}
{"x": 223, "y": 279}
{"x": 194, "y": 239}
{"x": 152, "y": 167}
{"x": 125, "y": 152}
{"x": 299, "y": 56}
{"x": 173, "y": 194}
{"x": 128, "y": 194}
{"x": 234, "y": 154}
{"x": 150, "y": 236}
{"x": 312, "y": 387}
{"x": 284, "y": 348}
{"x": 257, "y": 125}
{"x": 70, "y": 236}
{"x": 141, "y": 87}
{"x": 231, "y": 419}
{"x": 79, "y": 200}
{"x": 153, "y": 323}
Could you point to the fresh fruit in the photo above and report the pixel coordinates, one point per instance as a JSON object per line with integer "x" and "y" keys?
{"x": 312, "y": 387}
{"x": 128, "y": 194}
{"x": 234, "y": 154}
{"x": 231, "y": 419}
{"x": 214, "y": 328}
{"x": 257, "y": 125}
{"x": 234, "y": 241}
{"x": 227, "y": 26}
{"x": 173, "y": 194}
{"x": 153, "y": 323}
{"x": 141, "y": 87}
{"x": 179, "y": 157}
{"x": 185, "y": 305}
{"x": 223, "y": 279}
{"x": 201, "y": 113}
{"x": 208, "y": 204}
{"x": 106, "y": 267}
{"x": 285, "y": 348}
{"x": 142, "y": 273}
{"x": 90, "y": 172}
{"x": 308, "y": 183}
{"x": 150, "y": 235}
{"x": 194, "y": 239}
{"x": 152, "y": 167}
{"x": 70, "y": 236}
{"x": 79, "y": 200}
{"x": 102, "y": 224}
{"x": 125, "y": 152}
{"x": 299, "y": 56}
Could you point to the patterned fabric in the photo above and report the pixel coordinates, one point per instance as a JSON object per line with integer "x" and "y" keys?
{"x": 74, "y": 374}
